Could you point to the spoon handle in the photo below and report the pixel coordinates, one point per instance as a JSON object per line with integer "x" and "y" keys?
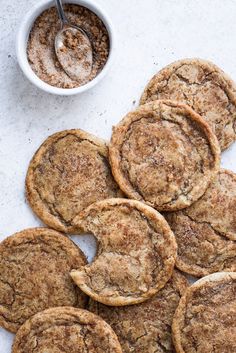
{"x": 61, "y": 12}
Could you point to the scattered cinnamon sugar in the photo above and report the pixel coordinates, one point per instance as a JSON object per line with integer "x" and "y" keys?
{"x": 41, "y": 52}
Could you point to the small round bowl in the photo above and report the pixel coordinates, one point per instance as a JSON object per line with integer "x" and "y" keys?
{"x": 22, "y": 40}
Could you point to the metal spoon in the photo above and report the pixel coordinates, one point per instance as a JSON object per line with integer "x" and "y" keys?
{"x": 73, "y": 48}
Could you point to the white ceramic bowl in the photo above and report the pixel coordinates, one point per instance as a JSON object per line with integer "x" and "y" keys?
{"x": 22, "y": 39}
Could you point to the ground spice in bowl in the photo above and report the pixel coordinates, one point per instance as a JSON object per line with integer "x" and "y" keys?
{"x": 41, "y": 53}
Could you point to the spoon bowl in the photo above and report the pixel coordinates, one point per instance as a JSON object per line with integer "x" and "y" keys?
{"x": 73, "y": 49}
{"x": 74, "y": 52}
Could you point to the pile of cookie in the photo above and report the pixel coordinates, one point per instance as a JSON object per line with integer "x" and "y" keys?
{"x": 159, "y": 207}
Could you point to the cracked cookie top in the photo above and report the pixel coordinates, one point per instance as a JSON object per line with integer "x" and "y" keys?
{"x": 205, "y": 320}
{"x": 164, "y": 154}
{"x": 218, "y": 200}
{"x": 66, "y": 330}
{"x": 69, "y": 172}
{"x": 204, "y": 87}
{"x": 146, "y": 327}
{"x": 135, "y": 256}
{"x": 35, "y": 267}
{"x": 203, "y": 231}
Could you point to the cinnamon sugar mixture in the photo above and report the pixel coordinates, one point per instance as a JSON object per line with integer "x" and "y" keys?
{"x": 41, "y": 52}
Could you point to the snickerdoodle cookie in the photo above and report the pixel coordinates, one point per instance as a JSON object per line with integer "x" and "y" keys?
{"x": 164, "y": 154}
{"x": 136, "y": 252}
{"x": 146, "y": 327}
{"x": 205, "y": 88}
{"x": 66, "y": 330}
{"x": 203, "y": 231}
{"x": 35, "y": 267}
{"x": 205, "y": 320}
{"x": 69, "y": 172}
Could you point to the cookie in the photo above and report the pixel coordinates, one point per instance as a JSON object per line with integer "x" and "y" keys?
{"x": 218, "y": 200}
{"x": 201, "y": 230}
{"x": 164, "y": 154}
{"x": 136, "y": 252}
{"x": 205, "y": 318}
{"x": 146, "y": 327}
{"x": 34, "y": 275}
{"x": 66, "y": 330}
{"x": 69, "y": 172}
{"x": 204, "y": 87}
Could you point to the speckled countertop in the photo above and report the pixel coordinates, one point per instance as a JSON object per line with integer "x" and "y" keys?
{"x": 150, "y": 34}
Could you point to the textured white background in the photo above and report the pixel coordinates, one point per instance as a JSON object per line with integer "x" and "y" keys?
{"x": 150, "y": 34}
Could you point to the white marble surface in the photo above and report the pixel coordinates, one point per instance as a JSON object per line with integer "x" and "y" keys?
{"x": 150, "y": 34}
